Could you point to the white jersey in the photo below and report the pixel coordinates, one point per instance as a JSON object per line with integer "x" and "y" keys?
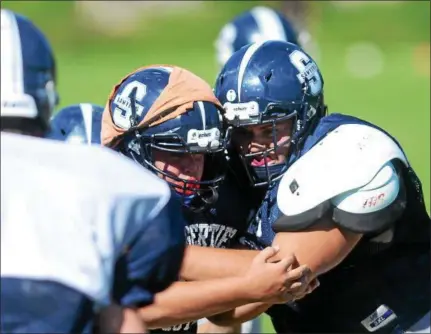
{"x": 65, "y": 211}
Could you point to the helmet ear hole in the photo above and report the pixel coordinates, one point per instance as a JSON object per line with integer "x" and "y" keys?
{"x": 221, "y": 79}
{"x": 268, "y": 76}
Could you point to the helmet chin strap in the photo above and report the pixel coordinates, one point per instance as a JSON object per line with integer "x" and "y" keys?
{"x": 186, "y": 200}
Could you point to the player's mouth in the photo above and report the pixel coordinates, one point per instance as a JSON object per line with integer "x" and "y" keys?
{"x": 189, "y": 188}
{"x": 261, "y": 162}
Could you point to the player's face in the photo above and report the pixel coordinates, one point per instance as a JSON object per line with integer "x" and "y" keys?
{"x": 185, "y": 166}
{"x": 259, "y": 138}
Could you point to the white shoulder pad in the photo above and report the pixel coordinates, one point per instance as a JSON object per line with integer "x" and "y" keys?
{"x": 374, "y": 207}
{"x": 374, "y": 196}
{"x": 348, "y": 158}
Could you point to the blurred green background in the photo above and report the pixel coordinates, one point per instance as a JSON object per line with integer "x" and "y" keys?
{"x": 374, "y": 56}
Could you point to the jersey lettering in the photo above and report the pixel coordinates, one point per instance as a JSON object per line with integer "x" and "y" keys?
{"x": 209, "y": 235}
{"x": 182, "y": 327}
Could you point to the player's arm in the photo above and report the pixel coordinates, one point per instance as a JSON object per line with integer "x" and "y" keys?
{"x": 224, "y": 262}
{"x": 206, "y": 326}
{"x": 240, "y": 314}
{"x": 322, "y": 247}
{"x": 152, "y": 262}
{"x": 248, "y": 312}
{"x": 188, "y": 301}
{"x": 116, "y": 319}
{"x": 324, "y": 234}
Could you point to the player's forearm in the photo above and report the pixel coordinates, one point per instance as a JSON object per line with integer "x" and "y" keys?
{"x": 224, "y": 262}
{"x": 188, "y": 301}
{"x": 322, "y": 247}
{"x": 116, "y": 319}
{"x": 240, "y": 314}
{"x": 132, "y": 323}
{"x": 209, "y": 327}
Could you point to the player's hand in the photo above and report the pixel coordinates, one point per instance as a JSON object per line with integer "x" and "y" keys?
{"x": 305, "y": 289}
{"x": 307, "y": 286}
{"x": 276, "y": 282}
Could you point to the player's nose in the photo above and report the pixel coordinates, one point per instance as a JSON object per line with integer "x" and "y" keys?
{"x": 193, "y": 164}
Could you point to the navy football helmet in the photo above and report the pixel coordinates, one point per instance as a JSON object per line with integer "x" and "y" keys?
{"x": 198, "y": 131}
{"x": 256, "y": 25}
{"x": 28, "y": 75}
{"x": 267, "y": 83}
{"x": 78, "y": 123}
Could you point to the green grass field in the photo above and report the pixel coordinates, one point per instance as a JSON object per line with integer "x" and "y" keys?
{"x": 394, "y": 42}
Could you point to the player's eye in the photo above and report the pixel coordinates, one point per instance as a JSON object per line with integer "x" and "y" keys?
{"x": 178, "y": 156}
{"x": 263, "y": 131}
{"x": 267, "y": 132}
{"x": 241, "y": 135}
{"x": 173, "y": 158}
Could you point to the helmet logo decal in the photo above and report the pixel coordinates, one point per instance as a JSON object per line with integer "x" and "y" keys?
{"x": 231, "y": 95}
{"x": 204, "y": 138}
{"x": 308, "y": 71}
{"x": 123, "y": 110}
{"x": 241, "y": 111}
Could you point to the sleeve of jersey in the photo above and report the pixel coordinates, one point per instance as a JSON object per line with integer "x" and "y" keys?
{"x": 153, "y": 260}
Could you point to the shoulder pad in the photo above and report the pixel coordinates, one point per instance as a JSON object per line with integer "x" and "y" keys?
{"x": 345, "y": 160}
{"x": 374, "y": 207}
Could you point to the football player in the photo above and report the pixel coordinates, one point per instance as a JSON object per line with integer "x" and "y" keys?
{"x": 64, "y": 226}
{"x": 78, "y": 123}
{"x": 169, "y": 121}
{"x": 337, "y": 191}
{"x": 255, "y": 25}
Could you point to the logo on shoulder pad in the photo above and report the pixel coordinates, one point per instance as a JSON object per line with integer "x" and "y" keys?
{"x": 293, "y": 186}
{"x": 379, "y": 318}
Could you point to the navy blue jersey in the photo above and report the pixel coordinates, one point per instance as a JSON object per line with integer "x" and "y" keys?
{"x": 219, "y": 226}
